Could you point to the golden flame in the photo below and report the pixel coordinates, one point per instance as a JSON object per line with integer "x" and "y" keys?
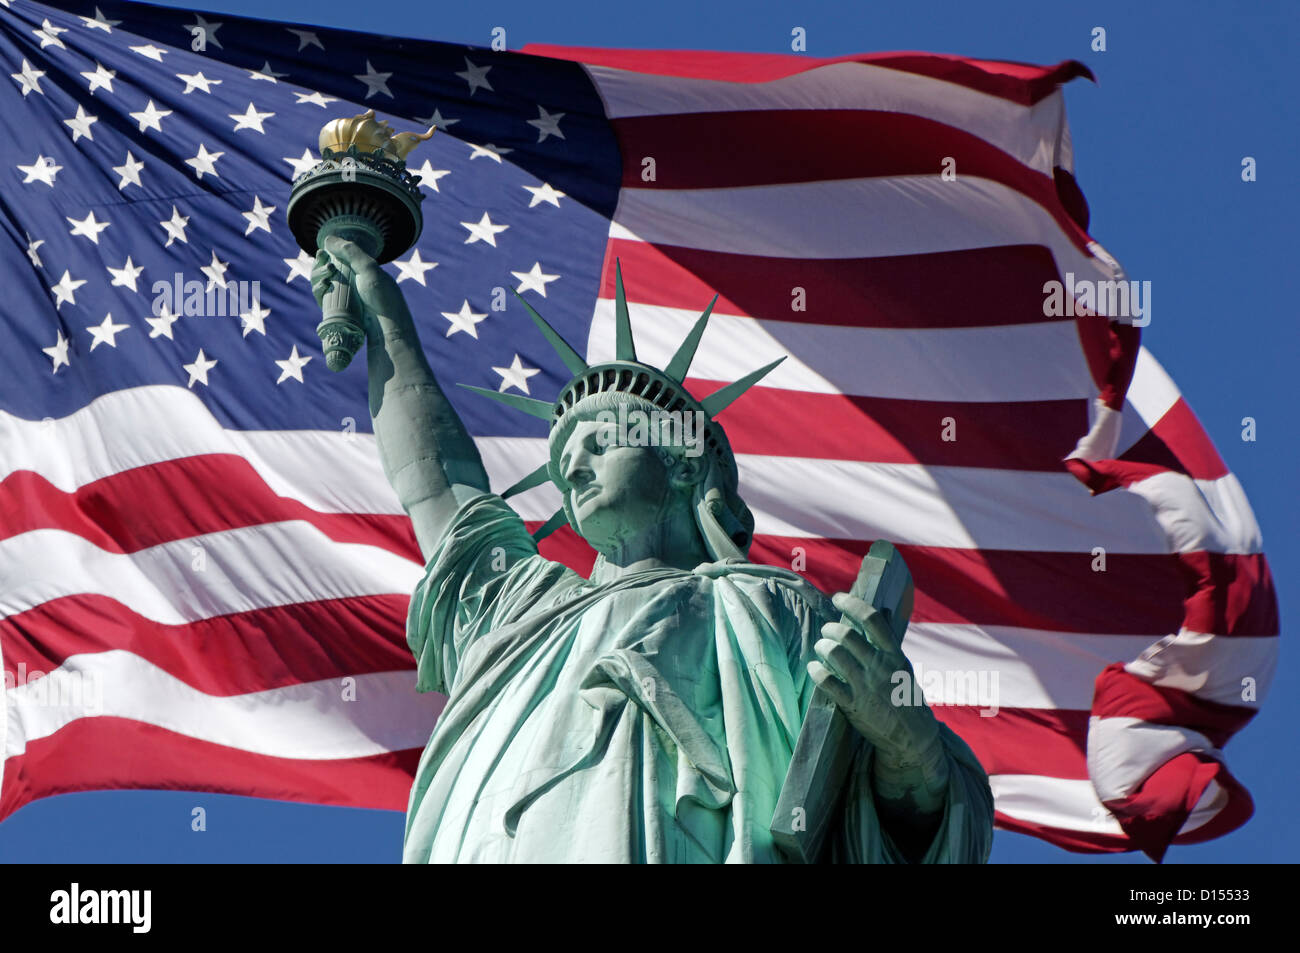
{"x": 368, "y": 135}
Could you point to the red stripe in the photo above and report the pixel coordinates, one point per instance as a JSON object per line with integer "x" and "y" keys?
{"x": 1178, "y": 442}
{"x": 1111, "y": 350}
{"x": 1081, "y": 842}
{"x": 105, "y": 753}
{"x": 978, "y": 287}
{"x": 1120, "y": 694}
{"x": 1023, "y": 740}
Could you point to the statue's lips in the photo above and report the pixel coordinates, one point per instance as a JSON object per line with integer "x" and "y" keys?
{"x": 587, "y": 494}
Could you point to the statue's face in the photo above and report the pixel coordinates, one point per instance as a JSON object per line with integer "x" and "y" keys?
{"x": 614, "y": 491}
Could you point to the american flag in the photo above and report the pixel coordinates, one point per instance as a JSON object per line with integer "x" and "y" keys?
{"x": 199, "y": 551}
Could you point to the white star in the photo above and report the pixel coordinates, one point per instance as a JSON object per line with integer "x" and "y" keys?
{"x": 306, "y": 38}
{"x": 476, "y": 76}
{"x": 198, "y": 371}
{"x": 100, "y": 78}
{"x": 266, "y": 74}
{"x": 548, "y": 124}
{"x": 255, "y": 320}
{"x": 463, "y": 320}
{"x": 175, "y": 228}
{"x": 250, "y": 119}
{"x": 376, "y": 82}
{"x": 65, "y": 290}
{"x": 292, "y": 367}
{"x": 429, "y": 176}
{"x": 32, "y": 245}
{"x": 99, "y": 23}
{"x": 105, "y": 332}
{"x": 436, "y": 120}
{"x": 151, "y": 117}
{"x": 80, "y": 124}
{"x": 534, "y": 280}
{"x": 205, "y": 162}
{"x": 161, "y": 325}
{"x": 490, "y": 151}
{"x": 127, "y": 275}
{"x": 42, "y": 169}
{"x": 304, "y": 163}
{"x": 88, "y": 227}
{"x": 544, "y": 193}
{"x": 414, "y": 268}
{"x": 30, "y": 78}
{"x": 197, "y": 80}
{"x": 49, "y": 35}
{"x": 300, "y": 266}
{"x": 129, "y": 171}
{"x": 216, "y": 272}
{"x": 315, "y": 99}
{"x": 516, "y": 375}
{"x": 483, "y": 231}
{"x": 209, "y": 31}
{"x": 259, "y": 216}
{"x": 151, "y": 51}
{"x": 58, "y": 353}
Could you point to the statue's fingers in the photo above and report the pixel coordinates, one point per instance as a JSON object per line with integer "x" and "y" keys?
{"x": 346, "y": 254}
{"x": 868, "y": 620}
{"x": 830, "y": 683}
{"x": 841, "y": 661}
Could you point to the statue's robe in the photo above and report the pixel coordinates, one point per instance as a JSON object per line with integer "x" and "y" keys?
{"x": 647, "y": 719}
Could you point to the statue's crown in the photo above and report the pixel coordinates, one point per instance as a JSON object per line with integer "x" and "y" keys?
{"x": 663, "y": 388}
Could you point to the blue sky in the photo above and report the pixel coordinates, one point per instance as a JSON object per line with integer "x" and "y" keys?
{"x": 1185, "y": 90}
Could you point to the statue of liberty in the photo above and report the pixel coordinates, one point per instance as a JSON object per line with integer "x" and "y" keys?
{"x": 648, "y": 713}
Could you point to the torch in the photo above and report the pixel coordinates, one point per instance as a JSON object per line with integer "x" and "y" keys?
{"x": 362, "y": 192}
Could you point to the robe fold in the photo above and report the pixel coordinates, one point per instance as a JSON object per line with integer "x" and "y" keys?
{"x": 647, "y": 719}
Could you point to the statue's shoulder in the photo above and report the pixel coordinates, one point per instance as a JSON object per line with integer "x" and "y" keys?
{"x": 761, "y": 581}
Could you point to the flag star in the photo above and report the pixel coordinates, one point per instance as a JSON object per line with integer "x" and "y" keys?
{"x": 98, "y": 22}
{"x": 300, "y": 266}
{"x": 42, "y": 169}
{"x": 292, "y": 367}
{"x": 151, "y": 51}
{"x": 544, "y": 193}
{"x": 476, "y": 76}
{"x": 304, "y": 163}
{"x": 375, "y": 81}
{"x": 548, "y": 124}
{"x": 59, "y": 353}
{"x": 516, "y": 375}
{"x": 49, "y": 35}
{"x": 32, "y": 245}
{"x": 483, "y": 231}
{"x": 88, "y": 227}
{"x": 209, "y": 31}
{"x": 429, "y": 176}
{"x": 175, "y": 227}
{"x": 198, "y": 371}
{"x": 414, "y": 268}
{"x": 464, "y": 320}
{"x": 316, "y": 99}
{"x": 436, "y": 120}
{"x": 266, "y": 74}
{"x": 534, "y": 280}
{"x": 99, "y": 78}
{"x": 197, "y": 80}
{"x": 127, "y": 275}
{"x": 105, "y": 332}
{"x": 66, "y": 290}
{"x": 80, "y": 124}
{"x": 216, "y": 271}
{"x": 259, "y": 216}
{"x": 306, "y": 38}
{"x": 255, "y": 320}
{"x": 30, "y": 78}
{"x": 490, "y": 151}
{"x": 250, "y": 119}
{"x": 160, "y": 326}
{"x": 129, "y": 171}
{"x": 205, "y": 163}
{"x": 151, "y": 117}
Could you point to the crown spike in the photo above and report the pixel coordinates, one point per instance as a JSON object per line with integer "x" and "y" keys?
{"x": 550, "y": 526}
{"x": 536, "y": 408}
{"x": 681, "y": 362}
{"x": 536, "y": 478}
{"x": 722, "y": 398}
{"x": 571, "y": 358}
{"x": 624, "y": 348}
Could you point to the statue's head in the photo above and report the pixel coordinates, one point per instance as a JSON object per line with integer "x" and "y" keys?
{"x": 630, "y": 447}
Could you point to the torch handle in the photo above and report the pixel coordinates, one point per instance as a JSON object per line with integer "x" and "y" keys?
{"x": 340, "y": 331}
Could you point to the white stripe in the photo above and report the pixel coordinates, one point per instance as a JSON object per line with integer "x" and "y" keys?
{"x": 1073, "y": 805}
{"x": 1124, "y": 752}
{"x": 1031, "y": 134}
{"x": 312, "y": 720}
{"x": 1211, "y": 515}
{"x": 1229, "y": 670}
